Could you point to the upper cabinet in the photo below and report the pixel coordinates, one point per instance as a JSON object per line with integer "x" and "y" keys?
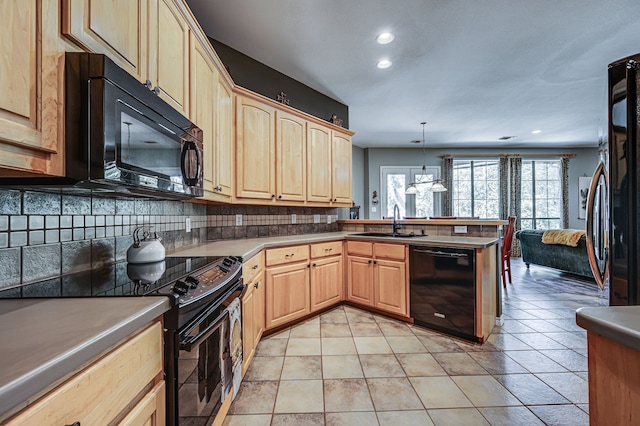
{"x": 341, "y": 167}
{"x": 224, "y": 142}
{"x": 319, "y": 163}
{"x": 29, "y": 83}
{"x": 291, "y": 160}
{"x": 148, "y": 38}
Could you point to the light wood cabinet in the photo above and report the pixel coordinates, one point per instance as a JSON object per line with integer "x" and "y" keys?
{"x": 255, "y": 151}
{"x": 326, "y": 282}
{"x": 253, "y": 318}
{"x": 224, "y": 142}
{"x": 104, "y": 391}
{"x": 287, "y": 293}
{"x": 341, "y": 168}
{"x": 318, "y": 163}
{"x": 377, "y": 276}
{"x": 29, "y": 82}
{"x": 291, "y": 168}
{"x": 283, "y": 255}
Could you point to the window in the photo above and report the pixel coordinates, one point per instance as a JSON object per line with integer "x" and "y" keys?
{"x": 541, "y": 203}
{"x": 476, "y": 189}
{"x": 394, "y": 183}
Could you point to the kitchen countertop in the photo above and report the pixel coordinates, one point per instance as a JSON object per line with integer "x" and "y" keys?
{"x": 246, "y": 248}
{"x": 45, "y": 341}
{"x": 618, "y": 323}
{"x": 424, "y": 221}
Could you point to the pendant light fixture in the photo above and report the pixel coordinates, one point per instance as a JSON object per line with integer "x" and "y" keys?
{"x": 436, "y": 184}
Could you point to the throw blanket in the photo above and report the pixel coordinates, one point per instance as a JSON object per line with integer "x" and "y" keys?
{"x": 567, "y": 237}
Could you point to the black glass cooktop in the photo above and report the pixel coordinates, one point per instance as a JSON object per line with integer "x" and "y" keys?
{"x": 115, "y": 279}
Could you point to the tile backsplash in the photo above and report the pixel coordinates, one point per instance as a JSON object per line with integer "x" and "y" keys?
{"x": 45, "y": 234}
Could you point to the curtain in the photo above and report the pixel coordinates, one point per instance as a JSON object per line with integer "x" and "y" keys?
{"x": 564, "y": 170}
{"x": 515, "y": 182}
{"x": 504, "y": 187}
{"x": 447, "y": 164}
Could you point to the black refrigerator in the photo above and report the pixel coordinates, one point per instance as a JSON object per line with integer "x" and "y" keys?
{"x": 613, "y": 222}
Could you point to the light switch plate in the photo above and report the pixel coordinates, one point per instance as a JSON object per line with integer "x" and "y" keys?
{"x": 293, "y": 218}
{"x": 316, "y": 218}
{"x": 238, "y": 220}
{"x": 187, "y": 224}
{"x": 329, "y": 219}
{"x": 374, "y": 209}
{"x": 460, "y": 229}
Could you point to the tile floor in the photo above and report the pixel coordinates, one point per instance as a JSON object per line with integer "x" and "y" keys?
{"x": 350, "y": 367}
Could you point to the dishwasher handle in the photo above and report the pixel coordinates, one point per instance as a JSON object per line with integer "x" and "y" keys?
{"x": 441, "y": 253}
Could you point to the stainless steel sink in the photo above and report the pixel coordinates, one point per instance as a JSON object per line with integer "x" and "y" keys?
{"x": 385, "y": 234}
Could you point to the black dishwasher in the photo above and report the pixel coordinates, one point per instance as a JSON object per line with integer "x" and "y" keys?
{"x": 442, "y": 283}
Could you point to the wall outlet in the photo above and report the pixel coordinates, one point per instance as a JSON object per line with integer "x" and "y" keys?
{"x": 238, "y": 220}
{"x": 374, "y": 209}
{"x": 316, "y": 218}
{"x": 294, "y": 218}
{"x": 329, "y": 219}
{"x": 460, "y": 229}
{"x": 187, "y": 224}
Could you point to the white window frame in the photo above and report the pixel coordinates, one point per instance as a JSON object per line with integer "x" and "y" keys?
{"x": 410, "y": 200}
{"x": 471, "y": 160}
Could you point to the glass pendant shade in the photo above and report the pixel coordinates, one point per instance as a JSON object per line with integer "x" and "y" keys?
{"x": 436, "y": 185}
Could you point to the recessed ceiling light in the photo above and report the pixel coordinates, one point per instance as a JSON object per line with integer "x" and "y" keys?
{"x": 535, "y": 132}
{"x": 384, "y": 63}
{"x": 506, "y": 138}
{"x": 385, "y": 38}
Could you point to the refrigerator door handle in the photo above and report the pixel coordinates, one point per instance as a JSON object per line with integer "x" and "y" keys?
{"x": 599, "y": 275}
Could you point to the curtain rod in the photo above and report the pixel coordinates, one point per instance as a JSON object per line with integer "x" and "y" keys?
{"x": 506, "y": 155}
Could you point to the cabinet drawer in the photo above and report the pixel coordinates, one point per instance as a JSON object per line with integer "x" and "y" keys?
{"x": 389, "y": 251}
{"x": 103, "y": 390}
{"x": 360, "y": 248}
{"x": 252, "y": 267}
{"x": 291, "y": 254}
{"x": 326, "y": 249}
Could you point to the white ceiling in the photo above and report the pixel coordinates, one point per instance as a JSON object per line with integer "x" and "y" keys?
{"x": 475, "y": 70}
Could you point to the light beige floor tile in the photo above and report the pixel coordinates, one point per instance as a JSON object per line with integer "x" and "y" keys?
{"x": 343, "y": 395}
{"x": 372, "y": 345}
{"x": 304, "y": 346}
{"x": 264, "y": 368}
{"x": 338, "y": 346}
{"x": 248, "y": 420}
{"x": 255, "y": 398}
{"x": 336, "y": 316}
{"x": 314, "y": 419}
{"x": 305, "y": 330}
{"x": 448, "y": 395}
{"x": 569, "y": 385}
{"x": 509, "y": 416}
{"x": 360, "y": 316}
{"x": 341, "y": 367}
{"x": 404, "y": 418}
{"x": 300, "y": 396}
{"x": 583, "y": 407}
{"x": 437, "y": 343}
{"x": 351, "y": 419}
{"x": 284, "y": 334}
{"x": 497, "y": 362}
{"x": 395, "y": 329}
{"x": 530, "y": 390}
{"x": 335, "y": 330}
{"x": 507, "y": 342}
{"x": 561, "y": 415}
{"x": 381, "y": 366}
{"x": 393, "y": 394}
{"x": 421, "y": 365}
{"x": 272, "y": 347}
{"x": 459, "y": 364}
{"x": 457, "y": 416}
{"x": 485, "y": 391}
{"x": 311, "y": 321}
{"x": 302, "y": 367}
{"x": 406, "y": 344}
{"x": 365, "y": 329}
{"x": 535, "y": 362}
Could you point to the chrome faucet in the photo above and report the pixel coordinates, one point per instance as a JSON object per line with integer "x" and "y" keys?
{"x": 396, "y": 227}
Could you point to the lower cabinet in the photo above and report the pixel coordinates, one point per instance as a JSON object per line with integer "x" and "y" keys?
{"x": 253, "y": 318}
{"x": 287, "y": 293}
{"x": 360, "y": 280}
{"x": 105, "y": 391}
{"x": 390, "y": 286}
{"x": 326, "y": 282}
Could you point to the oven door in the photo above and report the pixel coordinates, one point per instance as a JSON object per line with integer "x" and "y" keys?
{"x": 141, "y": 148}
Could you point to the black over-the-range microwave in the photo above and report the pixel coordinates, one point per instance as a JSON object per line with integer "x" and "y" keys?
{"x": 121, "y": 138}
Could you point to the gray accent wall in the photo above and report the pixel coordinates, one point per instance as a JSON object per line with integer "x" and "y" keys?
{"x": 583, "y": 164}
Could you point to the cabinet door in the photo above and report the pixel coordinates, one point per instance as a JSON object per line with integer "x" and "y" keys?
{"x": 248, "y": 327}
{"x": 29, "y": 84}
{"x": 259, "y": 307}
{"x": 360, "y": 280}
{"x": 326, "y": 282}
{"x": 169, "y": 55}
{"x": 117, "y": 28}
{"x": 291, "y": 155}
{"x": 255, "y": 163}
{"x": 204, "y": 78}
{"x": 287, "y": 293}
{"x": 318, "y": 163}
{"x": 223, "y": 166}
{"x": 150, "y": 411}
{"x": 341, "y": 172}
{"x": 390, "y": 286}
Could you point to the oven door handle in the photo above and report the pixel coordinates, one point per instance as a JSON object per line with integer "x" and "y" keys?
{"x": 191, "y": 342}
{"x": 244, "y": 290}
